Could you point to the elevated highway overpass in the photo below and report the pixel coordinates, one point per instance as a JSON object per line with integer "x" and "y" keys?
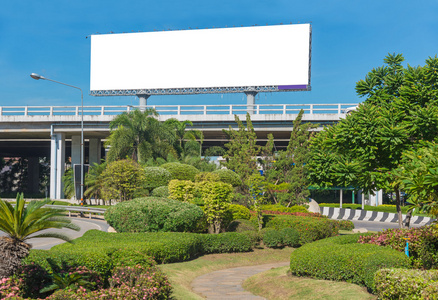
{"x": 54, "y": 131}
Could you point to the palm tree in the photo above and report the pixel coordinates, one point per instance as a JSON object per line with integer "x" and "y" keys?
{"x": 186, "y": 143}
{"x": 94, "y": 181}
{"x": 139, "y": 135}
{"x": 20, "y": 223}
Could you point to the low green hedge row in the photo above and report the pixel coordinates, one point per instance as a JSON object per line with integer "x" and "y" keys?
{"x": 281, "y": 208}
{"x": 101, "y": 251}
{"x": 406, "y": 284}
{"x": 152, "y": 214}
{"x": 310, "y": 228}
{"x": 341, "y": 258}
{"x": 281, "y": 238}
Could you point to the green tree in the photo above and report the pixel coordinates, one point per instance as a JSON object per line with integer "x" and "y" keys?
{"x": 186, "y": 143}
{"x": 287, "y": 172}
{"x": 140, "y": 136}
{"x": 257, "y": 189}
{"x": 419, "y": 178}
{"x": 19, "y": 222}
{"x": 94, "y": 181}
{"x": 216, "y": 196}
{"x": 364, "y": 149}
{"x": 123, "y": 180}
{"x": 241, "y": 155}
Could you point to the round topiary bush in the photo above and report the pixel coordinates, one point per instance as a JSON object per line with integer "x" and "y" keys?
{"x": 181, "y": 171}
{"x": 156, "y": 177}
{"x": 228, "y": 176}
{"x": 161, "y": 192}
{"x": 239, "y": 212}
{"x": 152, "y": 214}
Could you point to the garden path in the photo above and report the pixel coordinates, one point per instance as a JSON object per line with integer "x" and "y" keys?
{"x": 227, "y": 284}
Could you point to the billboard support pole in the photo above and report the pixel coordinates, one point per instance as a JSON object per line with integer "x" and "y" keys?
{"x": 250, "y": 102}
{"x": 143, "y": 101}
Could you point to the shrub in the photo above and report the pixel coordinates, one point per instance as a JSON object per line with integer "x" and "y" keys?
{"x": 153, "y": 214}
{"x": 281, "y": 208}
{"x": 345, "y": 224}
{"x": 273, "y": 239}
{"x": 310, "y": 229}
{"x": 182, "y": 190}
{"x": 423, "y": 243}
{"x": 122, "y": 179}
{"x": 9, "y": 288}
{"x": 341, "y": 258}
{"x": 281, "y": 238}
{"x": 228, "y": 176}
{"x": 241, "y": 225}
{"x": 156, "y": 177}
{"x": 227, "y": 242}
{"x": 404, "y": 283}
{"x": 206, "y": 176}
{"x": 160, "y": 192}
{"x": 239, "y": 212}
{"x": 33, "y": 278}
{"x": 291, "y": 237}
{"x": 181, "y": 171}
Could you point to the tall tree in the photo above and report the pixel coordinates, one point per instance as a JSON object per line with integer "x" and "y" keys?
{"x": 186, "y": 143}
{"x": 139, "y": 135}
{"x": 365, "y": 148}
{"x": 19, "y": 222}
{"x": 288, "y": 172}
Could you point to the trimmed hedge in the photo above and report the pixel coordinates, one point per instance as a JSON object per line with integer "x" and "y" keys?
{"x": 310, "y": 228}
{"x": 281, "y": 238}
{"x": 181, "y": 171}
{"x": 151, "y": 214}
{"x": 227, "y": 242}
{"x": 341, "y": 258}
{"x": 406, "y": 284}
{"x": 281, "y": 208}
{"x": 228, "y": 176}
{"x": 161, "y": 192}
{"x": 156, "y": 177}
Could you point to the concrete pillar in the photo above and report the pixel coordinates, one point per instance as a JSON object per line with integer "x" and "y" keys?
{"x": 57, "y": 162}
{"x": 75, "y": 150}
{"x": 250, "y": 102}
{"x": 143, "y": 101}
{"x": 33, "y": 172}
{"x": 94, "y": 151}
{"x": 340, "y": 198}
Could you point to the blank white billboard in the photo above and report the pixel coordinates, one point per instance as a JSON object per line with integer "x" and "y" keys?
{"x": 276, "y": 56}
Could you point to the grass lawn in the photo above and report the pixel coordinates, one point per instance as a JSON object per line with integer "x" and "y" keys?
{"x": 277, "y": 284}
{"x": 273, "y": 284}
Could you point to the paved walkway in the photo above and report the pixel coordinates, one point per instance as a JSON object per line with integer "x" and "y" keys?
{"x": 227, "y": 284}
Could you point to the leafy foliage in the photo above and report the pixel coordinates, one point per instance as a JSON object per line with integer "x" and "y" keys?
{"x": 181, "y": 171}
{"x": 257, "y": 185}
{"x": 341, "y": 258}
{"x": 153, "y": 214}
{"x": 229, "y": 176}
{"x": 156, "y": 177}
{"x": 182, "y": 190}
{"x": 139, "y": 135}
{"x": 364, "y": 149}
{"x": 19, "y": 222}
{"x": 161, "y": 191}
{"x": 122, "y": 180}
{"x": 405, "y": 283}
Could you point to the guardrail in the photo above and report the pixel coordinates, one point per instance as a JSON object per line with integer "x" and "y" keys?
{"x": 338, "y": 108}
{"x": 81, "y": 209}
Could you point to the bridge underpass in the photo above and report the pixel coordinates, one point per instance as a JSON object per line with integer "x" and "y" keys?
{"x": 54, "y": 132}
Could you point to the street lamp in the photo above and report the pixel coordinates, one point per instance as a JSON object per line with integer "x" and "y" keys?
{"x": 37, "y": 77}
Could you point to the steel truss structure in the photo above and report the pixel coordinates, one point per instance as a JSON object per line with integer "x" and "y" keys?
{"x": 209, "y": 90}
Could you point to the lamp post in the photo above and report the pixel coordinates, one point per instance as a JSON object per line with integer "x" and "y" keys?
{"x": 37, "y": 77}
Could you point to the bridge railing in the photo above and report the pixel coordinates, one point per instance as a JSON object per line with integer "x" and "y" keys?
{"x": 338, "y": 108}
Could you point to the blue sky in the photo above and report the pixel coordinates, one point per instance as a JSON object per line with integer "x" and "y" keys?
{"x": 349, "y": 38}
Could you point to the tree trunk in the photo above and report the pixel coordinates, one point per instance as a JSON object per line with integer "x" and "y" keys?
{"x": 408, "y": 219}
{"x": 11, "y": 254}
{"x": 397, "y": 204}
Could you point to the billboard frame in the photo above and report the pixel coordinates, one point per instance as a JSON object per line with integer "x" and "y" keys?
{"x": 213, "y": 90}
